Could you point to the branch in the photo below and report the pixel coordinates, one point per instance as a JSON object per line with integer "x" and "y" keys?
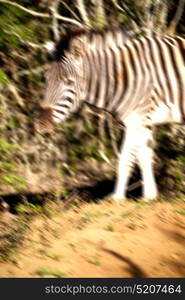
{"x": 13, "y": 89}
{"x": 100, "y": 13}
{"x": 101, "y": 131}
{"x": 82, "y": 10}
{"x": 134, "y": 185}
{"x": 162, "y": 16}
{"x": 156, "y": 13}
{"x": 133, "y": 15}
{"x": 55, "y": 26}
{"x": 29, "y": 11}
{"x": 172, "y": 27}
{"x": 38, "y": 70}
{"x": 117, "y": 5}
{"x": 31, "y": 44}
{"x": 42, "y": 15}
{"x": 68, "y": 20}
{"x": 70, "y": 10}
{"x": 134, "y": 24}
{"x": 148, "y": 18}
{"x": 112, "y": 135}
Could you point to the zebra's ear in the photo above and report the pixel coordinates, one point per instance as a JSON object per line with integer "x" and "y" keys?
{"x": 50, "y": 47}
{"x": 77, "y": 47}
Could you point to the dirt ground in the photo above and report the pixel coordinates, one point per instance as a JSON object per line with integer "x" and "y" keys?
{"x": 104, "y": 239}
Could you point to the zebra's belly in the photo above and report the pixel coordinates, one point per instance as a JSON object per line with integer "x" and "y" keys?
{"x": 166, "y": 114}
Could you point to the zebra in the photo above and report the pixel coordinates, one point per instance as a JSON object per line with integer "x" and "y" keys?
{"x": 140, "y": 80}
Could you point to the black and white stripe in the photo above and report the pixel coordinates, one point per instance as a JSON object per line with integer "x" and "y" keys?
{"x": 139, "y": 79}
{"x": 118, "y": 75}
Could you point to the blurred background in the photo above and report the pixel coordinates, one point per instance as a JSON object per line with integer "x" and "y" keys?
{"x": 77, "y": 162}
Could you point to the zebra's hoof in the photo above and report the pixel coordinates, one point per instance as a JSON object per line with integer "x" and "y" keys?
{"x": 148, "y": 199}
{"x": 117, "y": 198}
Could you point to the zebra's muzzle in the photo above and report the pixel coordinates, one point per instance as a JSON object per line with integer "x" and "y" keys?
{"x": 45, "y": 122}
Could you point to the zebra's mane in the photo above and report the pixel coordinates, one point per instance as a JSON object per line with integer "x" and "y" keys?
{"x": 63, "y": 45}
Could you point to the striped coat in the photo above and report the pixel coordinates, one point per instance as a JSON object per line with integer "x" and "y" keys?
{"x": 140, "y": 80}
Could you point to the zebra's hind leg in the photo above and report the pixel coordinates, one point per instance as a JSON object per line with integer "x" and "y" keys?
{"x": 137, "y": 145}
{"x": 145, "y": 160}
{"x": 125, "y": 164}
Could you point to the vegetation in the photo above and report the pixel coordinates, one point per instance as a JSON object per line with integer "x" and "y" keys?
{"x": 94, "y": 261}
{"x": 180, "y": 211}
{"x": 11, "y": 237}
{"x": 50, "y": 272}
{"x": 78, "y": 149}
{"x": 110, "y": 228}
{"x": 53, "y": 256}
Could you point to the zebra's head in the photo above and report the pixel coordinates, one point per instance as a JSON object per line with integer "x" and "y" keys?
{"x": 63, "y": 88}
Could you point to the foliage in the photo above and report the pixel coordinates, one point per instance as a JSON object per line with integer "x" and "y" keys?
{"x": 28, "y": 209}
{"x": 50, "y": 272}
{"x": 12, "y": 237}
{"x": 170, "y": 168}
{"x": 26, "y": 157}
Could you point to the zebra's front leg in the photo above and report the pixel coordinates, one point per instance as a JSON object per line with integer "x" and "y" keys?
{"x": 145, "y": 159}
{"x": 125, "y": 165}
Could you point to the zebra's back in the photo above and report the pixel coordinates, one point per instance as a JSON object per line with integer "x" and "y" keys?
{"x": 128, "y": 75}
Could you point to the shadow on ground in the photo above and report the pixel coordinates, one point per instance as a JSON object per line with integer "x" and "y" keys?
{"x": 176, "y": 260}
{"x": 134, "y": 270}
{"x": 104, "y": 188}
{"x": 94, "y": 192}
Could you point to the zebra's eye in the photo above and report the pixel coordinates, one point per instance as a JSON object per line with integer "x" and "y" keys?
{"x": 70, "y": 81}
